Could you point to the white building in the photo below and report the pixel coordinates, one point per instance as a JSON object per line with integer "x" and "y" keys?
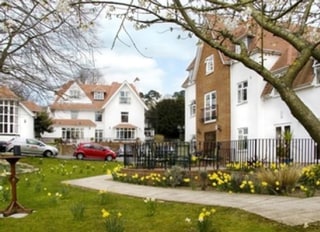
{"x": 257, "y": 111}
{"x": 189, "y": 86}
{"x": 84, "y": 112}
{"x": 16, "y": 117}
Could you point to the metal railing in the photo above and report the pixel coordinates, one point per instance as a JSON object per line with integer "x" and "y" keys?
{"x": 219, "y": 154}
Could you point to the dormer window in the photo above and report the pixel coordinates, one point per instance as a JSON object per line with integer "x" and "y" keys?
{"x": 209, "y": 62}
{"x": 246, "y": 40}
{"x": 98, "y": 95}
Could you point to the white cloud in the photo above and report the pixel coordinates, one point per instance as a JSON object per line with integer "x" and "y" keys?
{"x": 161, "y": 66}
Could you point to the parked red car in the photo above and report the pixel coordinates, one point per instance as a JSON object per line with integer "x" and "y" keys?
{"x": 94, "y": 151}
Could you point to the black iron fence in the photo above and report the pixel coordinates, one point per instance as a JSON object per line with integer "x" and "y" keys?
{"x": 220, "y": 154}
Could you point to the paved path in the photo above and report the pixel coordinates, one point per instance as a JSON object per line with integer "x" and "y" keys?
{"x": 287, "y": 210}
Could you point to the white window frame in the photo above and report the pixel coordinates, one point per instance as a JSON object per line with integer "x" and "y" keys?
{"x": 72, "y": 133}
{"x": 242, "y": 94}
{"x": 98, "y": 135}
{"x": 98, "y": 95}
{"x": 210, "y": 107}
{"x": 125, "y": 133}
{"x": 209, "y": 62}
{"x": 74, "y": 93}
{"x": 8, "y": 117}
{"x": 98, "y": 116}
{"x": 193, "y": 108}
{"x": 243, "y": 138}
{"x": 125, "y": 97}
{"x": 124, "y": 117}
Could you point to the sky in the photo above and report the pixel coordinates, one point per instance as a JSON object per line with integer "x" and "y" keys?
{"x": 162, "y": 64}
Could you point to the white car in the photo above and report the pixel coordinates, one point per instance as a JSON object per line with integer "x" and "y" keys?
{"x": 31, "y": 146}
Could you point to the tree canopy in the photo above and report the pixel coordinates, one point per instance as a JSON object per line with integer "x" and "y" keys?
{"x": 42, "y": 123}
{"x": 43, "y": 43}
{"x": 150, "y": 98}
{"x": 219, "y": 23}
{"x": 166, "y": 116}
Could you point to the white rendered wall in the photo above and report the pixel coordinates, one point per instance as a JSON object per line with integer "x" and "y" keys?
{"x": 251, "y": 113}
{"x": 112, "y": 115}
{"x": 26, "y": 124}
{"x": 190, "y": 121}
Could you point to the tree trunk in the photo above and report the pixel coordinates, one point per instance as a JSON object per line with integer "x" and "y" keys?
{"x": 301, "y": 112}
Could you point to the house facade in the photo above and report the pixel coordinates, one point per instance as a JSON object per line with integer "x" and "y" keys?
{"x": 96, "y": 112}
{"x": 257, "y": 111}
{"x": 208, "y": 97}
{"x": 16, "y": 116}
{"x": 234, "y": 103}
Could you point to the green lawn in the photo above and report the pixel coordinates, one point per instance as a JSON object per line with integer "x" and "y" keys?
{"x": 54, "y": 205}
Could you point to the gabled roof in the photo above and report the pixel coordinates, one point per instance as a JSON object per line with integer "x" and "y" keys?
{"x": 33, "y": 107}
{"x": 89, "y": 89}
{"x": 191, "y": 65}
{"x": 185, "y": 83}
{"x": 262, "y": 40}
{"x": 29, "y": 106}
{"x": 304, "y": 78}
{"x": 6, "y": 93}
{"x": 118, "y": 87}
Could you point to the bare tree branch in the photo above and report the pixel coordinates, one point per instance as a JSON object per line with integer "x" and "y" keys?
{"x": 43, "y": 43}
{"x": 221, "y": 24}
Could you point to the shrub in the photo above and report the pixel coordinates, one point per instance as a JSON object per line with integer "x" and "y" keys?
{"x": 175, "y": 176}
{"x": 280, "y": 181}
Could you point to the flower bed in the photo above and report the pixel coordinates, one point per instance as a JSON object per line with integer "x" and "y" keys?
{"x": 286, "y": 179}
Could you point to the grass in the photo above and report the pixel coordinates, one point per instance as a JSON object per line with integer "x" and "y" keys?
{"x": 58, "y": 207}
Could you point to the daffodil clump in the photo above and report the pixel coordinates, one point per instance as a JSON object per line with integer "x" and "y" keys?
{"x": 54, "y": 197}
{"x": 244, "y": 166}
{"x": 310, "y": 180}
{"x": 194, "y": 159}
{"x": 205, "y": 222}
{"x": 220, "y": 180}
{"x": 172, "y": 177}
{"x": 151, "y": 206}
{"x": 113, "y": 221}
{"x": 248, "y": 186}
{"x": 154, "y": 179}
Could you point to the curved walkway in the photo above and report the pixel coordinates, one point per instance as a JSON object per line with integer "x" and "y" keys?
{"x": 287, "y": 210}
